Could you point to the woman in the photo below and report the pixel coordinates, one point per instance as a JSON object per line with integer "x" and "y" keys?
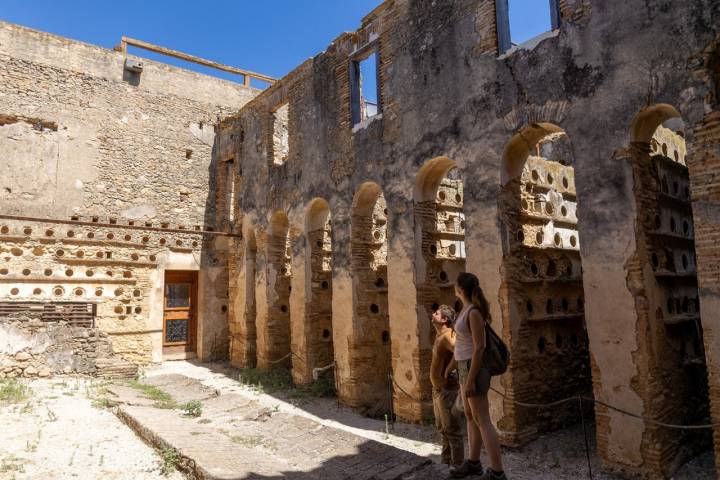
{"x": 475, "y": 380}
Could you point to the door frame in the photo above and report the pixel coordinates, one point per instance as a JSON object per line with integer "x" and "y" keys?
{"x": 181, "y": 276}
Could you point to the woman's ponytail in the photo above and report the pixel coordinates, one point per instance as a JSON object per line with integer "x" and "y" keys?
{"x": 470, "y": 286}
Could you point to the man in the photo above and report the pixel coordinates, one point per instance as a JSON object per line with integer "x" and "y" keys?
{"x": 445, "y": 386}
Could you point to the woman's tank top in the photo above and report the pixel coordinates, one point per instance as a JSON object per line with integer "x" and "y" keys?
{"x": 463, "y": 337}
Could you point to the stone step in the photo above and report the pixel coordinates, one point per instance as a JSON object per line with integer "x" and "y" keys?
{"x": 237, "y": 438}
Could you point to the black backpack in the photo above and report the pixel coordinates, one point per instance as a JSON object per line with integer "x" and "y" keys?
{"x": 496, "y": 356}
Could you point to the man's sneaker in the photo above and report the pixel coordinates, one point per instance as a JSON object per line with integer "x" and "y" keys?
{"x": 466, "y": 468}
{"x": 493, "y": 475}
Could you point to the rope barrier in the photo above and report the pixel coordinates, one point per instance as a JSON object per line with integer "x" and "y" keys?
{"x": 611, "y": 407}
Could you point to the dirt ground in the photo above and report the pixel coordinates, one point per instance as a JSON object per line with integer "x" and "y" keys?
{"x": 58, "y": 433}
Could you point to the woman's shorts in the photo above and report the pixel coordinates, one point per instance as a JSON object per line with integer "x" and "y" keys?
{"x": 482, "y": 380}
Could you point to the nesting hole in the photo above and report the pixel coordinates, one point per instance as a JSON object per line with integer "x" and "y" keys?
{"x": 551, "y": 269}
{"x": 374, "y": 309}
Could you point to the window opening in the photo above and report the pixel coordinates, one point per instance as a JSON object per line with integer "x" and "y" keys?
{"x": 365, "y": 87}
{"x": 230, "y": 190}
{"x": 519, "y": 21}
{"x": 280, "y": 149}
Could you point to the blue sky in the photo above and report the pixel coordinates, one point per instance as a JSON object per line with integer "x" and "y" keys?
{"x": 270, "y": 37}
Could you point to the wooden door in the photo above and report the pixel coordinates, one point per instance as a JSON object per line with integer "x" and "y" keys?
{"x": 180, "y": 313}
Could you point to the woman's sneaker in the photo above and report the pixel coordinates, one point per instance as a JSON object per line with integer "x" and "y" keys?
{"x": 466, "y": 469}
{"x": 493, "y": 475}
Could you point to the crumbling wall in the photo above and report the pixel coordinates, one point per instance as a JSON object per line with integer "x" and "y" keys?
{"x": 32, "y": 346}
{"x": 446, "y": 93}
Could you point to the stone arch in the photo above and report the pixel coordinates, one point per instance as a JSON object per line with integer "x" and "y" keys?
{"x": 369, "y": 354}
{"x": 542, "y": 298}
{"x": 439, "y": 250}
{"x": 279, "y": 274}
{"x": 669, "y": 302}
{"x": 318, "y": 286}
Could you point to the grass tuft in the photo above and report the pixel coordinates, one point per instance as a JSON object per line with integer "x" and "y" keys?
{"x": 13, "y": 391}
{"x": 170, "y": 460}
{"x": 162, "y": 399}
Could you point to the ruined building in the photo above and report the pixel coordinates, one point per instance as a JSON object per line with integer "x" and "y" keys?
{"x": 315, "y": 224}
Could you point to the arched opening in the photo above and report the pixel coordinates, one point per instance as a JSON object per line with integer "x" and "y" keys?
{"x": 279, "y": 274}
{"x": 678, "y": 391}
{"x": 543, "y": 289}
{"x": 369, "y": 351}
{"x": 440, "y": 250}
{"x": 249, "y": 329}
{"x": 318, "y": 328}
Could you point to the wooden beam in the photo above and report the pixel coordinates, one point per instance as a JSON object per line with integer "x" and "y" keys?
{"x": 192, "y": 58}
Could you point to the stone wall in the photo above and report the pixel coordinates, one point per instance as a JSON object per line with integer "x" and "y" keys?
{"x": 450, "y": 102}
{"x": 30, "y": 346}
{"x": 106, "y": 183}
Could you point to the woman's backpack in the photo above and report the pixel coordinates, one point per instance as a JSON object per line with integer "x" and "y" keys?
{"x": 496, "y": 356}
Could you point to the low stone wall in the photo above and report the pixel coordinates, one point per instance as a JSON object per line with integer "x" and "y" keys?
{"x": 30, "y": 347}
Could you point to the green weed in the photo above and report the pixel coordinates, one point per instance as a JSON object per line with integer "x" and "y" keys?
{"x": 162, "y": 399}
{"x": 170, "y": 460}
{"x": 192, "y": 408}
{"x": 13, "y": 391}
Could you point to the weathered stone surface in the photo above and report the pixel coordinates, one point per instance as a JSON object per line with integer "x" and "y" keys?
{"x": 249, "y": 442}
{"x": 59, "y": 347}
